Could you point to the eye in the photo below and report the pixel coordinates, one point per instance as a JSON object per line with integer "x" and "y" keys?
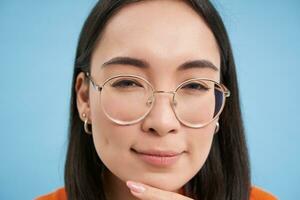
{"x": 126, "y": 84}
{"x": 196, "y": 86}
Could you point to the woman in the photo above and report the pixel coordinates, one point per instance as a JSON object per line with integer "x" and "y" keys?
{"x": 148, "y": 113}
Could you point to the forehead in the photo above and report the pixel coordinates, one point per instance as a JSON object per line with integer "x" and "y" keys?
{"x": 163, "y": 32}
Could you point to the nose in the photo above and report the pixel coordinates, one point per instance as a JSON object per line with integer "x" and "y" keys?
{"x": 161, "y": 120}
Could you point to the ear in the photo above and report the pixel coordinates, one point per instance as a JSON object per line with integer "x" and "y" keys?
{"x": 82, "y": 95}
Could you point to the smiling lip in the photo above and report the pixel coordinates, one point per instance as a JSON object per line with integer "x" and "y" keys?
{"x": 159, "y": 158}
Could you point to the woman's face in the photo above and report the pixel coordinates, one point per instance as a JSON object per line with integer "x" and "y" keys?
{"x": 165, "y": 34}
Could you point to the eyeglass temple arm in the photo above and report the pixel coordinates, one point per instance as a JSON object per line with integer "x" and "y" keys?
{"x": 97, "y": 87}
{"x": 226, "y": 91}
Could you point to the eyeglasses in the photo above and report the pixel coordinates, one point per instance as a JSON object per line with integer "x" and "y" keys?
{"x": 127, "y": 99}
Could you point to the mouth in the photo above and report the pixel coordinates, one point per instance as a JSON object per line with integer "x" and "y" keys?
{"x": 158, "y": 157}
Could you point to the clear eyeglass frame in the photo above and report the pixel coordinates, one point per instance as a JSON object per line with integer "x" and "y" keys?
{"x": 222, "y": 87}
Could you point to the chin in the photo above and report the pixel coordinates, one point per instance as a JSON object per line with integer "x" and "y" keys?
{"x": 165, "y": 182}
{"x": 167, "y": 186}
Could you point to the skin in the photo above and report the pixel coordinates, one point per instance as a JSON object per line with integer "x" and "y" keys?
{"x": 165, "y": 34}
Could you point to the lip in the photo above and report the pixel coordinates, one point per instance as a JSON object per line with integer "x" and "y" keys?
{"x": 153, "y": 152}
{"x": 158, "y": 157}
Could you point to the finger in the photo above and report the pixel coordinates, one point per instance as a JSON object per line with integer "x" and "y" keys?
{"x": 146, "y": 192}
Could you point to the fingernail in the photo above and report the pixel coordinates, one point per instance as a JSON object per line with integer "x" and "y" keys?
{"x": 135, "y": 187}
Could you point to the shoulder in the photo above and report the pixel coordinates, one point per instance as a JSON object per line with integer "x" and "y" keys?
{"x": 59, "y": 194}
{"x": 258, "y": 193}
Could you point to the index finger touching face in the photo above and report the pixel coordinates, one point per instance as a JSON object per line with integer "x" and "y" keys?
{"x": 147, "y": 192}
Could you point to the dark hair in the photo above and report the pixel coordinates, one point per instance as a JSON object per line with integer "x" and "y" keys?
{"x": 224, "y": 176}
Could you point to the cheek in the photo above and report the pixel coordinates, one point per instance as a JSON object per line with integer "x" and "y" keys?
{"x": 199, "y": 146}
{"x": 111, "y": 141}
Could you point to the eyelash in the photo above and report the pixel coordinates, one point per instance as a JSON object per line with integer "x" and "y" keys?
{"x": 198, "y": 84}
{"x": 122, "y": 82}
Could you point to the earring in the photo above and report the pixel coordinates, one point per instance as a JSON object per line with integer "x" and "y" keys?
{"x": 217, "y": 127}
{"x": 86, "y": 124}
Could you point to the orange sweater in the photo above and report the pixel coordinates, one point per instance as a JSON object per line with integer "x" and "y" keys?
{"x": 256, "y": 194}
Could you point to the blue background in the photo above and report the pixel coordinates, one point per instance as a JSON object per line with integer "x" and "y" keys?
{"x": 37, "y": 47}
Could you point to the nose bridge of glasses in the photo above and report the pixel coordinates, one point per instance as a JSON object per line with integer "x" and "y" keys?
{"x": 162, "y": 92}
{"x": 167, "y": 92}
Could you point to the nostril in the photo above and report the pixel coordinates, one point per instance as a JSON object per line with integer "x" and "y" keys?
{"x": 151, "y": 130}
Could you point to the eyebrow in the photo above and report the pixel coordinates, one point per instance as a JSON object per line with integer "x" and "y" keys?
{"x": 202, "y": 63}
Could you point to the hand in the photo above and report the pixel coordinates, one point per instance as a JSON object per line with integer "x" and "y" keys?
{"x": 146, "y": 192}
